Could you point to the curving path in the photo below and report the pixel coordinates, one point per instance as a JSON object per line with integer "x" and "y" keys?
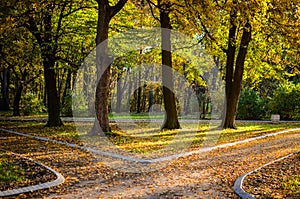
{"x": 209, "y": 174}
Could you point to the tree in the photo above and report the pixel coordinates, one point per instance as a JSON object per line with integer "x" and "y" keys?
{"x": 171, "y": 120}
{"x": 165, "y": 8}
{"x": 62, "y": 45}
{"x": 21, "y": 56}
{"x": 238, "y": 18}
{"x": 105, "y": 13}
{"x": 47, "y": 38}
{"x": 46, "y": 22}
{"x": 235, "y": 68}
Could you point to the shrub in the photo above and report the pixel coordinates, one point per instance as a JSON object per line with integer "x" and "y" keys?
{"x": 285, "y": 101}
{"x": 251, "y": 106}
{"x": 32, "y": 104}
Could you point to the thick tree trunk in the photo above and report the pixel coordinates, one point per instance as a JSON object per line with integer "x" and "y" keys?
{"x": 52, "y": 94}
{"x": 103, "y": 70}
{"x": 234, "y": 76}
{"x": 171, "y": 120}
{"x": 105, "y": 14}
{"x": 48, "y": 56}
{"x": 17, "y": 99}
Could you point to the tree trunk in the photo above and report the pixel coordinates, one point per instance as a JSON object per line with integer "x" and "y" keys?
{"x": 67, "y": 86}
{"x": 150, "y": 98}
{"x": 128, "y": 104}
{"x": 139, "y": 94}
{"x": 103, "y": 70}
{"x": 150, "y": 91}
{"x": 67, "y": 105}
{"x": 17, "y": 99}
{"x": 48, "y": 56}
{"x": 119, "y": 95}
{"x": 187, "y": 99}
{"x": 234, "y": 76}
{"x": 171, "y": 120}
{"x": 52, "y": 94}
{"x": 105, "y": 14}
{"x": 5, "y": 89}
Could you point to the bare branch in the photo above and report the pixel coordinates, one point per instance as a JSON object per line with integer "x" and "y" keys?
{"x": 151, "y": 9}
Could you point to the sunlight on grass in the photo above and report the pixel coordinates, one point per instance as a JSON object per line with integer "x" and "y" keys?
{"x": 291, "y": 186}
{"x": 147, "y": 139}
{"x": 10, "y": 172}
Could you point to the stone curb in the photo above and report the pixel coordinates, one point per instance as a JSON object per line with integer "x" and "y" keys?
{"x": 238, "y": 184}
{"x": 59, "y": 180}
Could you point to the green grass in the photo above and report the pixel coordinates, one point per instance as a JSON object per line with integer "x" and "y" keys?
{"x": 111, "y": 115}
{"x": 10, "y": 172}
{"x": 291, "y": 186}
{"x": 145, "y": 116}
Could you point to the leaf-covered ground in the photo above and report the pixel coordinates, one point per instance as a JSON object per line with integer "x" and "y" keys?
{"x": 278, "y": 180}
{"x": 205, "y": 175}
{"x": 24, "y": 172}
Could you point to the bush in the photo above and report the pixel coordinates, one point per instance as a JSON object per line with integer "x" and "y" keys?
{"x": 251, "y": 106}
{"x": 285, "y": 101}
{"x": 32, "y": 105}
{"x": 66, "y": 108}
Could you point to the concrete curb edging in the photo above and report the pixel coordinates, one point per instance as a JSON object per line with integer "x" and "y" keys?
{"x": 59, "y": 180}
{"x": 238, "y": 184}
{"x": 155, "y": 160}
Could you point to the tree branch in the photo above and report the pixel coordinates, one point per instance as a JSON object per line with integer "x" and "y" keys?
{"x": 151, "y": 9}
{"x": 210, "y": 36}
{"x": 115, "y": 9}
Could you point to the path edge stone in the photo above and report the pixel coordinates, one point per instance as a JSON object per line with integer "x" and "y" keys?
{"x": 238, "y": 184}
{"x": 59, "y": 180}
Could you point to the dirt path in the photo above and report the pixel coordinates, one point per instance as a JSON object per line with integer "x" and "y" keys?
{"x": 208, "y": 175}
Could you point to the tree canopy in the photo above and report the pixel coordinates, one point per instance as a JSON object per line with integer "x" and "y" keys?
{"x": 254, "y": 45}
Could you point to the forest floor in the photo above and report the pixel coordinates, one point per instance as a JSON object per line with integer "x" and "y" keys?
{"x": 204, "y": 175}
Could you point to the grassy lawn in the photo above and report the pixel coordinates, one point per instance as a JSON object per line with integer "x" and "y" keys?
{"x": 142, "y": 138}
{"x": 291, "y": 185}
{"x": 9, "y": 171}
